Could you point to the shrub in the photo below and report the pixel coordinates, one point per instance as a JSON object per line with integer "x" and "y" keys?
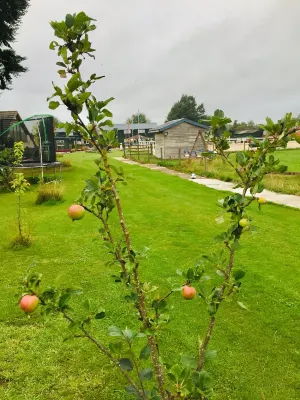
{"x": 21, "y": 241}
{"x": 59, "y": 155}
{"x": 50, "y": 191}
{"x": 33, "y": 180}
{"x": 67, "y": 163}
{"x": 48, "y": 179}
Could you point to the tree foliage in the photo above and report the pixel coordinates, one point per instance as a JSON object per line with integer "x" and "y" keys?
{"x": 187, "y": 107}
{"x": 138, "y": 118}
{"x": 241, "y": 126}
{"x": 11, "y": 12}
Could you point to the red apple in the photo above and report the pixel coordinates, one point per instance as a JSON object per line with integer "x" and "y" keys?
{"x": 297, "y": 136}
{"x": 76, "y": 212}
{"x": 29, "y": 303}
{"x": 188, "y": 292}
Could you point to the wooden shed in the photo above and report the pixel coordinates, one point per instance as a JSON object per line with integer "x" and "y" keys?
{"x": 181, "y": 135}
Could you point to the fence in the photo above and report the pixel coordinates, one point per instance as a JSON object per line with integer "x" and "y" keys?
{"x": 141, "y": 150}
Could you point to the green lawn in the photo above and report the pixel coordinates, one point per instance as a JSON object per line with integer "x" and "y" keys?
{"x": 258, "y": 350}
{"x": 215, "y": 168}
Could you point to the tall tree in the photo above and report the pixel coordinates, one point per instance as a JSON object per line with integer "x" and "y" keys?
{"x": 138, "y": 118}
{"x": 11, "y": 13}
{"x": 187, "y": 107}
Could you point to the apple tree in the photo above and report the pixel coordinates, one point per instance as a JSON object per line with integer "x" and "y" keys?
{"x": 138, "y": 354}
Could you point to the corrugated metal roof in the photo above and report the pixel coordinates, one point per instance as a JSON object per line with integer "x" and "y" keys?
{"x": 171, "y": 124}
{"x": 121, "y": 127}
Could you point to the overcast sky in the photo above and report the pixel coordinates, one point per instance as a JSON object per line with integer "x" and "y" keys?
{"x": 239, "y": 55}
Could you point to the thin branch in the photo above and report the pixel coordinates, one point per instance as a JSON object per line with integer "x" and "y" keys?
{"x": 203, "y": 347}
{"x": 108, "y": 354}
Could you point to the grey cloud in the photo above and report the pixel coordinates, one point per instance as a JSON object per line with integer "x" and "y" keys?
{"x": 241, "y": 56}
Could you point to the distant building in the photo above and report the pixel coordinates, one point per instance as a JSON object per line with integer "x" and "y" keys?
{"x": 245, "y": 134}
{"x": 127, "y": 131}
{"x": 180, "y": 134}
{"x": 64, "y": 143}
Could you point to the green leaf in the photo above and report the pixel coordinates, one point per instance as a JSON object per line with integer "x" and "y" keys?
{"x": 238, "y": 274}
{"x": 146, "y": 374}
{"x": 53, "y": 44}
{"x": 220, "y": 220}
{"x": 236, "y": 245}
{"x": 116, "y": 347}
{"x": 91, "y": 185}
{"x": 87, "y": 304}
{"x": 61, "y": 64}
{"x": 75, "y": 82}
{"x": 69, "y": 20}
{"x": 107, "y": 113}
{"x": 64, "y": 54}
{"x": 242, "y": 305}
{"x": 190, "y": 274}
{"x": 132, "y": 391}
{"x": 190, "y": 361}
{"x": 210, "y": 355}
{"x": 100, "y": 314}
{"x": 53, "y": 105}
{"x": 63, "y": 301}
{"x": 126, "y": 363}
{"x": 84, "y": 96}
{"x": 145, "y": 352}
{"x": 128, "y": 334}
{"x": 240, "y": 158}
{"x": 114, "y": 331}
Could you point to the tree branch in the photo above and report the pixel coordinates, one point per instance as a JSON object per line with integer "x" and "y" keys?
{"x": 107, "y": 353}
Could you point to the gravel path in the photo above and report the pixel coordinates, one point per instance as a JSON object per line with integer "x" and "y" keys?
{"x": 278, "y": 198}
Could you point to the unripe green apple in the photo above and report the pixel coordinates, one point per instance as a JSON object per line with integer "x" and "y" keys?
{"x": 63, "y": 75}
{"x": 188, "y": 292}
{"x": 76, "y": 212}
{"x": 90, "y": 127}
{"x": 243, "y": 222}
{"x": 29, "y": 303}
{"x": 261, "y": 200}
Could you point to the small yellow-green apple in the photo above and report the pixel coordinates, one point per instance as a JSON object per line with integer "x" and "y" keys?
{"x": 188, "y": 292}
{"x": 261, "y": 200}
{"x": 76, "y": 212}
{"x": 29, "y": 302}
{"x": 243, "y": 222}
{"x": 63, "y": 75}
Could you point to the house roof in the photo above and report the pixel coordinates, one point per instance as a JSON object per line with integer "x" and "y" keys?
{"x": 171, "y": 124}
{"x": 12, "y": 115}
{"x": 9, "y": 118}
{"x": 121, "y": 127}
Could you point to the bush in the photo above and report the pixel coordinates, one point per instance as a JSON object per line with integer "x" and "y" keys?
{"x": 66, "y": 163}
{"x": 33, "y": 180}
{"x": 50, "y": 191}
{"x": 59, "y": 155}
{"x": 6, "y": 176}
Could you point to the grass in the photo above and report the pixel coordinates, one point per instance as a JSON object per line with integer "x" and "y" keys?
{"x": 215, "y": 168}
{"x": 49, "y": 192}
{"x": 258, "y": 350}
